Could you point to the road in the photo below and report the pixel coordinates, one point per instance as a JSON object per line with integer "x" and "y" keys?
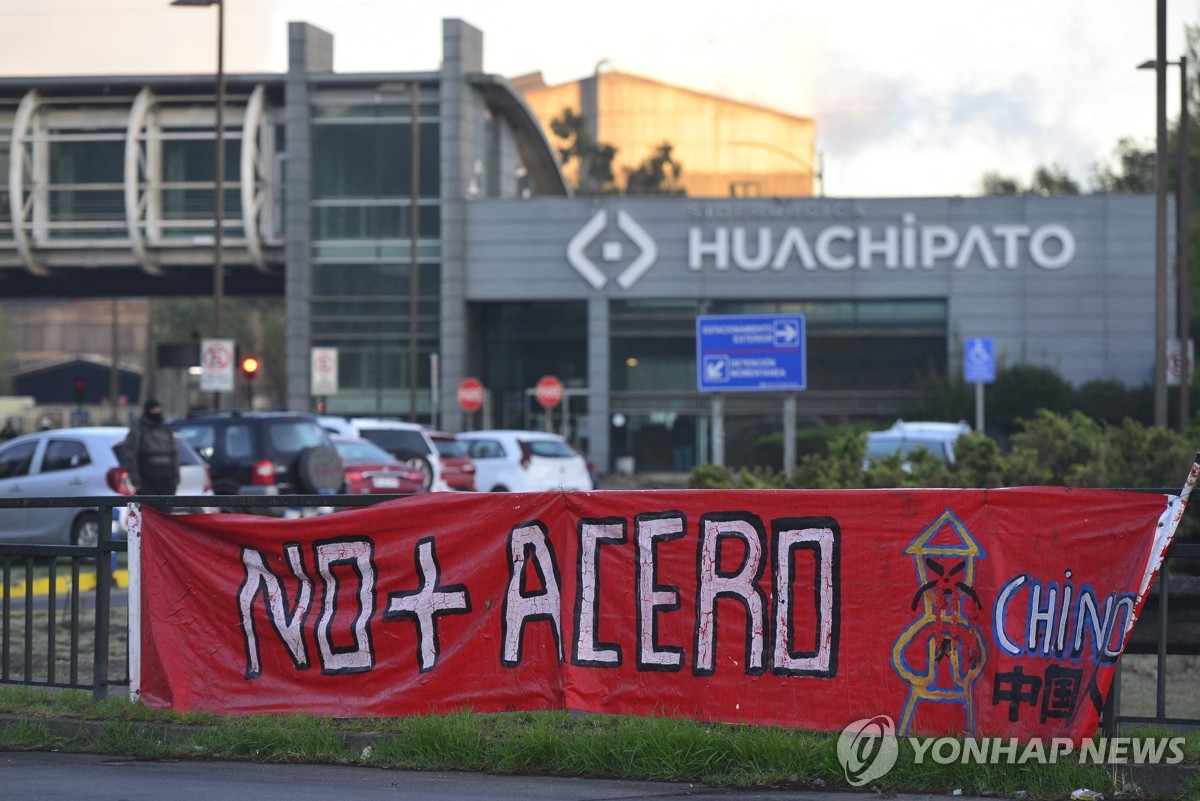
{"x": 71, "y": 777}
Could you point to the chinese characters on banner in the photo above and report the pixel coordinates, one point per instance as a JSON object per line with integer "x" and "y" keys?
{"x": 983, "y": 612}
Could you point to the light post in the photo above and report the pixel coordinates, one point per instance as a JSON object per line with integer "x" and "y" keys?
{"x": 219, "y": 178}
{"x": 1183, "y": 278}
{"x": 1160, "y": 217}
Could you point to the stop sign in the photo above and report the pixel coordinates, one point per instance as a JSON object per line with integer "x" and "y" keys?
{"x": 470, "y": 394}
{"x": 549, "y": 391}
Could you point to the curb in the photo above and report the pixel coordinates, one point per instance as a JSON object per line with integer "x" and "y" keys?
{"x": 62, "y": 584}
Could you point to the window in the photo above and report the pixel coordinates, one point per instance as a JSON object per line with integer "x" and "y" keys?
{"x": 485, "y": 449}
{"x": 64, "y": 454}
{"x": 15, "y": 461}
{"x": 402, "y": 443}
{"x": 201, "y": 439}
{"x": 548, "y": 448}
{"x": 293, "y": 437}
{"x": 238, "y": 445}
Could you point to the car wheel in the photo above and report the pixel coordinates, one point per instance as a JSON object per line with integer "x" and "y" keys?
{"x": 85, "y": 531}
{"x": 422, "y": 464}
{"x": 499, "y": 488}
{"x": 320, "y": 469}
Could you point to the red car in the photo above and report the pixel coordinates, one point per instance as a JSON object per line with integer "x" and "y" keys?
{"x": 370, "y": 470}
{"x": 458, "y": 469}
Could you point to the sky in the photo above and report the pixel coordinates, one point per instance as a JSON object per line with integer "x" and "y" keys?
{"x": 909, "y": 99}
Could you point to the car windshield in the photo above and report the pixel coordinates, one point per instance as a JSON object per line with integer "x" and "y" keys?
{"x": 397, "y": 440}
{"x": 293, "y": 436}
{"x": 549, "y": 448}
{"x": 879, "y": 448}
{"x": 362, "y": 452}
{"x": 449, "y": 447}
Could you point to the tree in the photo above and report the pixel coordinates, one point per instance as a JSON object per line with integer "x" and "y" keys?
{"x": 1052, "y": 180}
{"x": 993, "y": 183}
{"x": 657, "y": 175}
{"x": 256, "y": 324}
{"x": 1133, "y": 173}
{"x": 594, "y": 159}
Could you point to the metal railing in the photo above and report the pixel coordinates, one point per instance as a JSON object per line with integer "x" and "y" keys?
{"x": 31, "y": 619}
{"x": 1156, "y": 633}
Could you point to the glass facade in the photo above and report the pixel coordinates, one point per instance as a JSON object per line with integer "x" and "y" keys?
{"x": 660, "y": 421}
{"x": 852, "y": 345}
{"x": 515, "y": 344}
{"x": 76, "y": 173}
{"x": 362, "y": 225}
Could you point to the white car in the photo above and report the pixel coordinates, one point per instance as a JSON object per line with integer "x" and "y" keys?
{"x": 904, "y": 438}
{"x": 69, "y": 462}
{"x": 525, "y": 461}
{"x": 408, "y": 442}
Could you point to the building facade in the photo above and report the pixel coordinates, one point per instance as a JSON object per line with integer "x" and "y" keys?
{"x": 420, "y": 225}
{"x": 726, "y": 148}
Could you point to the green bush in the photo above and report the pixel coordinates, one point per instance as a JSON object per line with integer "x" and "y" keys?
{"x": 1048, "y": 449}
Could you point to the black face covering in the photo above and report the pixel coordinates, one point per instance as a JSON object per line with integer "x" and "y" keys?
{"x": 154, "y": 417}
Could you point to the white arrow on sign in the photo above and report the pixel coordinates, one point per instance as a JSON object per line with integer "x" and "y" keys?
{"x": 787, "y": 334}
{"x": 715, "y": 369}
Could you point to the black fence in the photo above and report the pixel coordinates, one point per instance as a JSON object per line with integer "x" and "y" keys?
{"x": 71, "y": 636}
{"x": 56, "y": 601}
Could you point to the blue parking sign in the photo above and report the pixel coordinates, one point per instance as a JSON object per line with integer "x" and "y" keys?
{"x": 979, "y": 360}
{"x": 750, "y": 353}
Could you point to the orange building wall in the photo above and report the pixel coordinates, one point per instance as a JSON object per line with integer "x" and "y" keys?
{"x": 724, "y": 147}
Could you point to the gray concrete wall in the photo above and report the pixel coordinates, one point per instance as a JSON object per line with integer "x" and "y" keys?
{"x": 309, "y": 50}
{"x": 463, "y": 142}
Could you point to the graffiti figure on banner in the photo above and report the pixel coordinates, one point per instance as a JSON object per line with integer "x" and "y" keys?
{"x": 943, "y": 652}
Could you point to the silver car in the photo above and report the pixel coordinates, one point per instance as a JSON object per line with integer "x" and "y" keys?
{"x": 67, "y": 462}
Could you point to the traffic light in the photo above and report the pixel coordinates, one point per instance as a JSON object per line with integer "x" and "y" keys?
{"x": 249, "y": 365}
{"x": 80, "y": 387}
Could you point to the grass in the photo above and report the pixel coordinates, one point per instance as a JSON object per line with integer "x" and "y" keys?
{"x": 539, "y": 743}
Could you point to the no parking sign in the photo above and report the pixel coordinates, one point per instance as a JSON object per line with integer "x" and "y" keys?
{"x": 216, "y": 364}
{"x": 324, "y": 371}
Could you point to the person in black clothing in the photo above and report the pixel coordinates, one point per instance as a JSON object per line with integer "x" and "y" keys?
{"x": 150, "y": 454}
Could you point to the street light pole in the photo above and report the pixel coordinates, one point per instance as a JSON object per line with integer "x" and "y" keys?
{"x": 1182, "y": 242}
{"x": 1160, "y": 220}
{"x": 1182, "y": 212}
{"x": 219, "y": 177}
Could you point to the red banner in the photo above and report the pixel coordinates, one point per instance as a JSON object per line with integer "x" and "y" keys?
{"x": 984, "y": 612}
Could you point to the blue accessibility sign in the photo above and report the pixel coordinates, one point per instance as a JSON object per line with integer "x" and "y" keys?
{"x": 979, "y": 360}
{"x": 750, "y": 353}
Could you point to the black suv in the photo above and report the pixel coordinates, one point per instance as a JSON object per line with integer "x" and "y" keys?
{"x": 264, "y": 453}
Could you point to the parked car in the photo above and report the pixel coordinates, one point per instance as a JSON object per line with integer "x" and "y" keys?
{"x": 70, "y": 462}
{"x": 408, "y": 442}
{"x": 903, "y": 438}
{"x": 370, "y": 470}
{"x": 458, "y": 469}
{"x": 264, "y": 453}
{"x": 525, "y": 461}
